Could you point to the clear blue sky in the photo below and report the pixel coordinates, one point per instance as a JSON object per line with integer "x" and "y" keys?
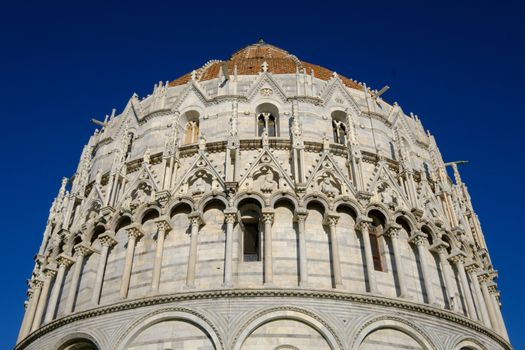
{"x": 458, "y": 65}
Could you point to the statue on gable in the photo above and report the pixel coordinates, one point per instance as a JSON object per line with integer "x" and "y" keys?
{"x": 142, "y": 195}
{"x": 430, "y": 208}
{"x": 200, "y": 185}
{"x": 268, "y": 183}
{"x": 265, "y": 140}
{"x": 327, "y": 187}
{"x": 388, "y": 196}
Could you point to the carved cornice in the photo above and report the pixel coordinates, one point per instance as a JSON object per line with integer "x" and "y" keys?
{"x": 265, "y": 293}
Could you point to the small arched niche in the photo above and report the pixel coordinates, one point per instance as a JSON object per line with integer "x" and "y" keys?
{"x": 267, "y": 119}
{"x": 339, "y": 127}
{"x": 376, "y": 239}
{"x": 250, "y": 224}
{"x": 191, "y": 127}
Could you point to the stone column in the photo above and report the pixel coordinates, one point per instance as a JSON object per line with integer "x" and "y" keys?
{"x": 497, "y": 310}
{"x": 459, "y": 260}
{"x": 441, "y": 249}
{"x": 332, "y": 220}
{"x": 230, "y": 216}
{"x": 33, "y": 302}
{"x": 420, "y": 240}
{"x": 107, "y": 240}
{"x": 267, "y": 216}
{"x": 27, "y": 304}
{"x": 392, "y": 231}
{"x": 301, "y": 215}
{"x": 472, "y": 270}
{"x": 81, "y": 251}
{"x": 192, "y": 258}
{"x": 134, "y": 233}
{"x": 484, "y": 280}
{"x": 363, "y": 225}
{"x": 50, "y": 274}
{"x": 63, "y": 262}
{"x": 163, "y": 227}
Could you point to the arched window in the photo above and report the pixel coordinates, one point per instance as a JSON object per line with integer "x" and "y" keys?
{"x": 267, "y": 119}
{"x": 251, "y": 230}
{"x": 191, "y": 132}
{"x": 339, "y": 131}
{"x": 376, "y": 241}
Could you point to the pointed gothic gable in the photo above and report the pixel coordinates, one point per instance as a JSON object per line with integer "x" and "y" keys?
{"x": 199, "y": 178}
{"x": 386, "y": 189}
{"x": 335, "y": 87}
{"x": 427, "y": 200}
{"x": 327, "y": 177}
{"x": 401, "y": 124}
{"x": 266, "y": 174}
{"x": 192, "y": 87}
{"x": 265, "y": 80}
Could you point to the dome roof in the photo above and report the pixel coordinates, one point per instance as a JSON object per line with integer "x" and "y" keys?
{"x": 249, "y": 60}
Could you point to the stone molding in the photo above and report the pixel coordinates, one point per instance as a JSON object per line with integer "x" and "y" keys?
{"x": 267, "y": 292}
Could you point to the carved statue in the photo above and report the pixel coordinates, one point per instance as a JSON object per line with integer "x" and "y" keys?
{"x": 200, "y": 185}
{"x": 268, "y": 183}
{"x": 388, "y": 196}
{"x": 327, "y": 187}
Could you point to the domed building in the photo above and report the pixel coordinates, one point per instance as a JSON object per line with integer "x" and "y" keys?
{"x": 262, "y": 202}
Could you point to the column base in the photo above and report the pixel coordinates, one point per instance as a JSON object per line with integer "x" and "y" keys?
{"x": 227, "y": 285}
{"x": 269, "y": 285}
{"x": 303, "y": 284}
{"x": 189, "y": 287}
{"x": 339, "y": 286}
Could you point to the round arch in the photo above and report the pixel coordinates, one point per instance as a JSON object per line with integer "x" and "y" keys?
{"x": 351, "y": 202}
{"x": 319, "y": 198}
{"x": 285, "y": 313}
{"x": 170, "y": 314}
{"x": 469, "y": 344}
{"x": 408, "y": 217}
{"x": 290, "y": 198}
{"x": 392, "y": 322}
{"x": 210, "y": 197}
{"x": 143, "y": 210}
{"x": 178, "y": 201}
{"x": 252, "y": 195}
{"x": 382, "y": 209}
{"x": 78, "y": 341}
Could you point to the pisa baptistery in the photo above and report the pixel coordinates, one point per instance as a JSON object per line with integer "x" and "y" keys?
{"x": 262, "y": 202}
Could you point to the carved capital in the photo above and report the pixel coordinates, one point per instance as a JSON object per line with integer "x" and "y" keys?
{"x": 363, "y": 223}
{"x": 195, "y": 218}
{"x": 82, "y": 249}
{"x": 107, "y": 239}
{"x": 301, "y": 214}
{"x": 392, "y": 231}
{"x": 457, "y": 258}
{"x": 64, "y": 260}
{"x": 134, "y": 232}
{"x": 472, "y": 267}
{"x": 163, "y": 225}
{"x": 50, "y": 272}
{"x": 332, "y": 219}
{"x": 37, "y": 283}
{"x": 230, "y": 218}
{"x": 418, "y": 238}
{"x": 267, "y": 215}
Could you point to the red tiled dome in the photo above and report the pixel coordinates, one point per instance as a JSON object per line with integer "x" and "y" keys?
{"x": 249, "y": 60}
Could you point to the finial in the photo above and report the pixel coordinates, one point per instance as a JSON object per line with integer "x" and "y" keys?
{"x": 261, "y": 41}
